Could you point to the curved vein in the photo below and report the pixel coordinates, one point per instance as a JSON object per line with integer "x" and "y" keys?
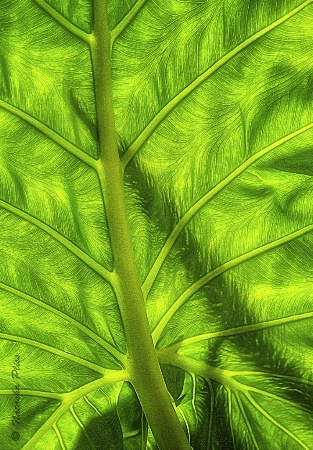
{"x": 246, "y": 419}
{"x": 194, "y": 395}
{"x": 273, "y": 375}
{"x": 92, "y": 405}
{"x": 248, "y": 388}
{"x": 69, "y": 245}
{"x": 53, "y": 351}
{"x": 95, "y": 337}
{"x": 229, "y": 409}
{"x": 70, "y": 399}
{"x": 221, "y": 269}
{"x": 240, "y": 330}
{"x": 185, "y": 219}
{"x": 59, "y": 436}
{"x": 82, "y": 427}
{"x": 244, "y": 388}
{"x": 69, "y": 26}
{"x": 49, "y": 133}
{"x": 207, "y": 372}
{"x": 274, "y": 421}
{"x": 157, "y": 120}
{"x": 178, "y": 408}
{"x": 127, "y": 19}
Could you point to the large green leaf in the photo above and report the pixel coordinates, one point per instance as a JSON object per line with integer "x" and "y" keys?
{"x": 213, "y": 106}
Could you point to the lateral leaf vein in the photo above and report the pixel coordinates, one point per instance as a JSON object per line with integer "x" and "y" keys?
{"x": 195, "y": 287}
{"x": 69, "y": 245}
{"x": 65, "y": 23}
{"x": 49, "y": 133}
{"x": 158, "y": 119}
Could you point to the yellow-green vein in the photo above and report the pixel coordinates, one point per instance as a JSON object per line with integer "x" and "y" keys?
{"x": 69, "y": 26}
{"x": 92, "y": 405}
{"x": 49, "y": 133}
{"x": 95, "y": 337}
{"x": 247, "y": 388}
{"x": 246, "y": 419}
{"x": 53, "y": 351}
{"x": 275, "y": 422}
{"x": 70, "y": 398}
{"x": 146, "y": 372}
{"x": 224, "y": 378}
{"x": 185, "y": 219}
{"x": 157, "y": 120}
{"x": 185, "y": 296}
{"x": 69, "y": 245}
{"x": 59, "y": 436}
{"x": 274, "y": 375}
{"x": 81, "y": 426}
{"x": 127, "y": 19}
{"x": 239, "y": 330}
{"x": 230, "y": 407}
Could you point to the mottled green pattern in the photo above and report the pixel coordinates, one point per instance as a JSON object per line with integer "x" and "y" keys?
{"x": 214, "y": 115}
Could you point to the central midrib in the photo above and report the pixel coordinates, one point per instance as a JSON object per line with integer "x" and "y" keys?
{"x": 143, "y": 365}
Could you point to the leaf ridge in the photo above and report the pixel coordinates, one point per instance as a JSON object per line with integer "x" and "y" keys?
{"x": 61, "y": 20}
{"x": 69, "y": 245}
{"x": 127, "y": 19}
{"x": 92, "y": 405}
{"x": 54, "y": 351}
{"x": 246, "y": 419}
{"x": 160, "y": 116}
{"x": 275, "y": 397}
{"x": 239, "y": 330}
{"x": 274, "y": 421}
{"x": 178, "y": 408}
{"x": 206, "y": 371}
{"x": 69, "y": 400}
{"x": 185, "y": 296}
{"x": 81, "y": 426}
{"x": 49, "y": 133}
{"x": 194, "y": 395}
{"x": 275, "y": 375}
{"x": 230, "y": 407}
{"x": 193, "y": 210}
{"x": 94, "y": 336}
{"x": 59, "y": 436}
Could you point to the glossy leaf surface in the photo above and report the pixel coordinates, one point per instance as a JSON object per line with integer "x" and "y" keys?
{"x": 214, "y": 118}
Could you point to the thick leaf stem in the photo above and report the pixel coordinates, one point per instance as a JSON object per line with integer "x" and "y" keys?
{"x": 146, "y": 375}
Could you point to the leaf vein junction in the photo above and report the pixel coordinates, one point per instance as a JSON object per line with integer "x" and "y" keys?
{"x": 168, "y": 108}
{"x": 49, "y": 133}
{"x": 240, "y": 330}
{"x": 127, "y": 19}
{"x": 69, "y": 26}
{"x": 70, "y": 399}
{"x": 54, "y": 351}
{"x": 193, "y": 210}
{"x": 74, "y": 249}
{"x": 104, "y": 344}
{"x": 195, "y": 287}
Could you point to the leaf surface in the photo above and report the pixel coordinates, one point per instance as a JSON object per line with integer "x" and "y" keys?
{"x": 213, "y": 112}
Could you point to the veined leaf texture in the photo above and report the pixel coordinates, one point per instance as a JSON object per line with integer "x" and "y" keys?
{"x": 156, "y": 205}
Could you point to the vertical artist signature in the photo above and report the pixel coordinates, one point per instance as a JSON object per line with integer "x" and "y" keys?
{"x": 16, "y": 416}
